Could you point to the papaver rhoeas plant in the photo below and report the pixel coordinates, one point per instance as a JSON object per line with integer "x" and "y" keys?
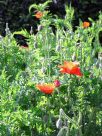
{"x": 86, "y": 24}
{"x": 70, "y": 68}
{"x": 39, "y": 14}
{"x": 46, "y": 88}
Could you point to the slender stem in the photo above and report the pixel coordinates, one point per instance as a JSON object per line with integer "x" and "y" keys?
{"x": 80, "y": 123}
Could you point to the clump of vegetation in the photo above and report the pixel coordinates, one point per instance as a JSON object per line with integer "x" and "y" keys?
{"x": 53, "y": 86}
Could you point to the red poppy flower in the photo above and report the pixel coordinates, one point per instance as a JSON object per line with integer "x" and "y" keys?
{"x": 57, "y": 83}
{"x": 70, "y": 68}
{"x": 46, "y": 88}
{"x": 86, "y": 24}
{"x": 39, "y": 15}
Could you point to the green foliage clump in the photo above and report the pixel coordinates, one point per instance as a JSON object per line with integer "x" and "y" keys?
{"x": 26, "y": 111}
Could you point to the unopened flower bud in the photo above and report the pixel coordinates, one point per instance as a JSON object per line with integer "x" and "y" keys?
{"x": 57, "y": 83}
{"x": 59, "y": 123}
{"x": 31, "y": 30}
{"x": 100, "y": 56}
{"x": 58, "y": 48}
{"x": 35, "y": 45}
{"x": 74, "y": 57}
{"x": 7, "y": 30}
{"x": 43, "y": 70}
{"x": 40, "y": 27}
{"x": 61, "y": 112}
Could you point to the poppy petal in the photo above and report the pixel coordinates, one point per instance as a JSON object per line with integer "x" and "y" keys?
{"x": 76, "y": 71}
{"x": 46, "y": 88}
{"x": 70, "y": 68}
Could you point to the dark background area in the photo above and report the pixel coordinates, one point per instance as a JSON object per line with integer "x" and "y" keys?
{"x": 16, "y": 14}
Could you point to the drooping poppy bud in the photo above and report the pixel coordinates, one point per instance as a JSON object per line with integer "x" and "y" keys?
{"x": 40, "y": 27}
{"x": 35, "y": 45}
{"x": 43, "y": 70}
{"x": 57, "y": 83}
{"x": 74, "y": 57}
{"x": 58, "y": 48}
{"x": 59, "y": 123}
{"x": 31, "y": 30}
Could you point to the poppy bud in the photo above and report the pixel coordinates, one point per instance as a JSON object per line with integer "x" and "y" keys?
{"x": 59, "y": 123}
{"x": 61, "y": 111}
{"x": 57, "y": 83}
{"x": 35, "y": 45}
{"x": 43, "y": 70}
{"x": 7, "y": 30}
{"x": 40, "y": 27}
{"x": 100, "y": 56}
{"x": 31, "y": 30}
{"x": 58, "y": 48}
{"x": 74, "y": 57}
